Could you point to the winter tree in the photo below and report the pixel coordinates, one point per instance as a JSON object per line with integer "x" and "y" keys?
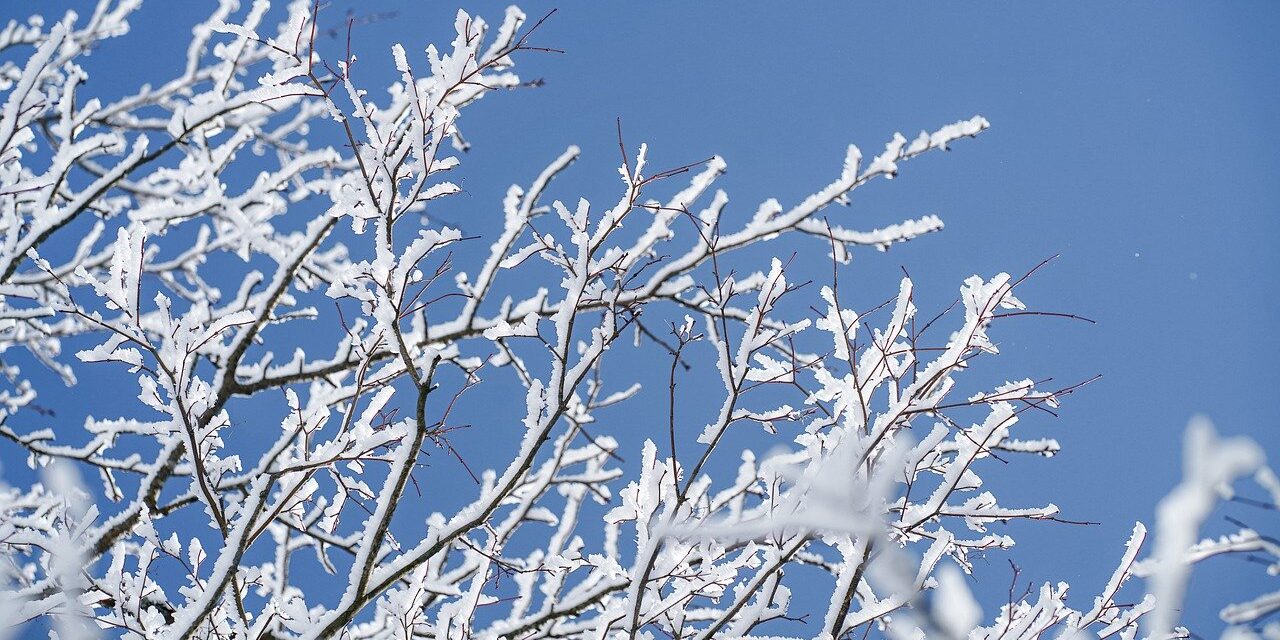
{"x": 193, "y": 236}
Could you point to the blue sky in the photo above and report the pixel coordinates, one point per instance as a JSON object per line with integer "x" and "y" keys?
{"x": 1137, "y": 140}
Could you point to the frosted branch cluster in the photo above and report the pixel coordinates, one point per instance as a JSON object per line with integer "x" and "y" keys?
{"x": 195, "y": 236}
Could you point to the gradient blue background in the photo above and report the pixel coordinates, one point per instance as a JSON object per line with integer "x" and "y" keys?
{"x": 1138, "y": 140}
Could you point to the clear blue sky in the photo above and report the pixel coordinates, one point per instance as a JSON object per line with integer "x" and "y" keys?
{"x": 1138, "y": 140}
